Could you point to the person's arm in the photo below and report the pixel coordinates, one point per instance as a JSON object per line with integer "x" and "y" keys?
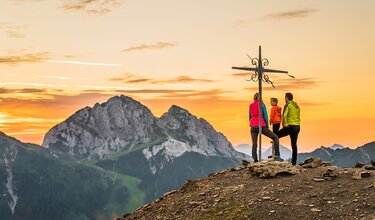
{"x": 265, "y": 115}
{"x": 285, "y": 116}
{"x": 272, "y": 115}
{"x": 249, "y": 114}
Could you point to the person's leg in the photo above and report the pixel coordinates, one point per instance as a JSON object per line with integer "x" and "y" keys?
{"x": 254, "y": 138}
{"x": 267, "y": 132}
{"x": 275, "y": 128}
{"x": 294, "y": 130}
{"x": 285, "y": 131}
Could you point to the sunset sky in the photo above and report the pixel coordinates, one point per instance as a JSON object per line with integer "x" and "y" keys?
{"x": 57, "y": 56}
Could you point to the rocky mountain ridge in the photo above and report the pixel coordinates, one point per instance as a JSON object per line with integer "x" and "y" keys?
{"x": 270, "y": 190}
{"x": 124, "y": 124}
{"x": 341, "y": 156}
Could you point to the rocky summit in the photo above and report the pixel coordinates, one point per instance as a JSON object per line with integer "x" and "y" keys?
{"x": 123, "y": 124}
{"x": 313, "y": 190}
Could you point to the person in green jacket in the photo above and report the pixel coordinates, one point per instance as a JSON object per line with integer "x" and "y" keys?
{"x": 291, "y": 123}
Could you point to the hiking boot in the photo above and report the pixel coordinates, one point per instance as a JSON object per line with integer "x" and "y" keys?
{"x": 277, "y": 158}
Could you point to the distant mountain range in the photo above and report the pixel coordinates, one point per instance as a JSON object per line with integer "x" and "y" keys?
{"x": 285, "y": 153}
{"x": 108, "y": 158}
{"x": 336, "y": 154}
{"x": 343, "y": 156}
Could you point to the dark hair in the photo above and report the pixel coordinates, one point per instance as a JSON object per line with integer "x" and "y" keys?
{"x": 289, "y": 96}
{"x": 256, "y": 96}
{"x": 274, "y": 100}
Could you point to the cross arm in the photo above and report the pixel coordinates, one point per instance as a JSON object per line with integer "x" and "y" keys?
{"x": 245, "y": 68}
{"x": 274, "y": 71}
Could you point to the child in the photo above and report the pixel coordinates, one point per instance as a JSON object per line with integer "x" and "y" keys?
{"x": 275, "y": 119}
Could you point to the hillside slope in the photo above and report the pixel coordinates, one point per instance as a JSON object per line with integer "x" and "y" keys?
{"x": 36, "y": 185}
{"x": 237, "y": 194}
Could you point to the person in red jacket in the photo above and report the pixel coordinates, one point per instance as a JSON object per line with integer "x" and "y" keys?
{"x": 254, "y": 128}
{"x": 275, "y": 117}
{"x": 275, "y": 120}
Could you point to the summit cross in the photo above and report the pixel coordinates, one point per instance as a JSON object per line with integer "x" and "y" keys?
{"x": 259, "y": 76}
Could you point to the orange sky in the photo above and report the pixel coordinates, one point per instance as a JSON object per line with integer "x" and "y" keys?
{"x": 59, "y": 56}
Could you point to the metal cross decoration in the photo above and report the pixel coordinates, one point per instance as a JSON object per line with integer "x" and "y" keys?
{"x": 258, "y": 75}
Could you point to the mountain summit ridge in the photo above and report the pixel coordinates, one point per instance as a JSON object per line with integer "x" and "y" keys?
{"x": 323, "y": 192}
{"x": 124, "y": 124}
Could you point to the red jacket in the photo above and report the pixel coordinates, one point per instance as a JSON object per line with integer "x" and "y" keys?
{"x": 275, "y": 117}
{"x": 254, "y": 114}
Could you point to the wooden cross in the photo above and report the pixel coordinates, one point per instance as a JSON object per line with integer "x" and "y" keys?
{"x": 259, "y": 69}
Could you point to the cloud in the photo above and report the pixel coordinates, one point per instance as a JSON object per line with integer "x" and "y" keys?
{"x": 164, "y": 93}
{"x": 289, "y": 84}
{"x": 13, "y": 31}
{"x": 56, "y": 77}
{"x": 24, "y": 58}
{"x": 156, "y": 46}
{"x": 129, "y": 78}
{"x": 30, "y": 84}
{"x": 100, "y": 88}
{"x": 82, "y": 63}
{"x": 303, "y": 83}
{"x": 291, "y": 14}
{"x": 312, "y": 103}
{"x": 277, "y": 16}
{"x": 243, "y": 74}
{"x": 92, "y": 7}
{"x": 24, "y": 90}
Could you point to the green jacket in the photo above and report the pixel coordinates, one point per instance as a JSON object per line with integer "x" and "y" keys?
{"x": 291, "y": 114}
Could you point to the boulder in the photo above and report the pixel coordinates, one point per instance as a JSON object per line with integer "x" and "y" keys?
{"x": 311, "y": 163}
{"x": 359, "y": 174}
{"x": 271, "y": 168}
{"x": 329, "y": 173}
{"x": 358, "y": 165}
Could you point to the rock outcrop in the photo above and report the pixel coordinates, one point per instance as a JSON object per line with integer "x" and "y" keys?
{"x": 238, "y": 194}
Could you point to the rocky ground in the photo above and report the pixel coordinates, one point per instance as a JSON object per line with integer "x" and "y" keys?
{"x": 271, "y": 190}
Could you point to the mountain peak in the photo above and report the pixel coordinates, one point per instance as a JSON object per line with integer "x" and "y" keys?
{"x": 174, "y": 109}
{"x": 119, "y": 124}
{"x": 337, "y": 147}
{"x": 124, "y": 124}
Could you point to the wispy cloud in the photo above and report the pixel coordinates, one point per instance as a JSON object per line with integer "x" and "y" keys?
{"x": 312, "y": 103}
{"x": 291, "y": 14}
{"x": 290, "y": 84}
{"x": 24, "y": 58}
{"x": 56, "y": 77}
{"x": 13, "y": 31}
{"x": 156, "y": 46}
{"x": 82, "y": 63}
{"x": 23, "y": 90}
{"x": 92, "y": 7}
{"x": 95, "y": 87}
{"x": 243, "y": 74}
{"x": 30, "y": 84}
{"x": 129, "y": 78}
{"x": 164, "y": 93}
{"x": 277, "y": 16}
